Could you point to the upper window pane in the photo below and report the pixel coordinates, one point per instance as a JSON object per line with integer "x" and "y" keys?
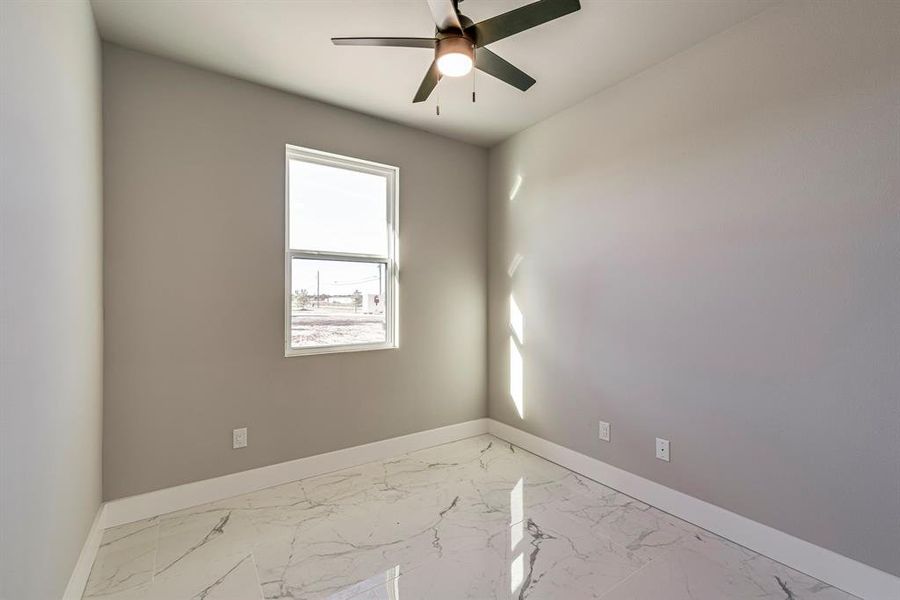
{"x": 337, "y": 210}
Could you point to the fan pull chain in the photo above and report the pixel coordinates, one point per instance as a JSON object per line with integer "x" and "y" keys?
{"x": 473, "y": 77}
{"x": 437, "y": 108}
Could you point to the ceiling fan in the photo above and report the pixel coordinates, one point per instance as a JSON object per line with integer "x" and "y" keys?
{"x": 458, "y": 43}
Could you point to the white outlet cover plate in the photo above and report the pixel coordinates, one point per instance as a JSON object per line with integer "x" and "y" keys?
{"x": 239, "y": 438}
{"x": 603, "y": 431}
{"x": 662, "y": 449}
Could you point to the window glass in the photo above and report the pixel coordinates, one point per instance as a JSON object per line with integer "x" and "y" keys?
{"x": 337, "y": 210}
{"x": 334, "y": 303}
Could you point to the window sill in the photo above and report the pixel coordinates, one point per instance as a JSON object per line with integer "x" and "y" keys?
{"x": 292, "y": 352}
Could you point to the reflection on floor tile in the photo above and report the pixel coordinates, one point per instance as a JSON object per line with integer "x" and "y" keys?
{"x": 476, "y": 519}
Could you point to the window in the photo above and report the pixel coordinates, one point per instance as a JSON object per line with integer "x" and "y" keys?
{"x": 340, "y": 253}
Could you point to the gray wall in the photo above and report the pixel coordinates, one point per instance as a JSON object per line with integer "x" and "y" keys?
{"x": 194, "y": 221}
{"x": 712, "y": 256}
{"x": 50, "y": 293}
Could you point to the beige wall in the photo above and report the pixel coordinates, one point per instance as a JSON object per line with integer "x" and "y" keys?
{"x": 50, "y": 293}
{"x": 712, "y": 256}
{"x": 194, "y": 175}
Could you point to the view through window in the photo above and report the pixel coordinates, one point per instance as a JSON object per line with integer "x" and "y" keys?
{"x": 340, "y": 246}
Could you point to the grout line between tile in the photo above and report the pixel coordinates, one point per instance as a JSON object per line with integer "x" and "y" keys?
{"x": 256, "y": 571}
{"x": 621, "y": 583}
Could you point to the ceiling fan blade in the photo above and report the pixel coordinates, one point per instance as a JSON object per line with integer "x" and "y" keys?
{"x": 394, "y": 42}
{"x": 444, "y": 14}
{"x": 520, "y": 19}
{"x": 428, "y": 84}
{"x": 492, "y": 64}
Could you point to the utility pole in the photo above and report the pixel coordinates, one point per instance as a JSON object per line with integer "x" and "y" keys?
{"x": 317, "y": 289}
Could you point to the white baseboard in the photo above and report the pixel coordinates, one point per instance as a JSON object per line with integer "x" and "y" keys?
{"x": 144, "y": 506}
{"x": 832, "y": 568}
{"x": 78, "y": 579}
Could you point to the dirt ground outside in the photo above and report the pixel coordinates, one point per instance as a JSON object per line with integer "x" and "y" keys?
{"x": 329, "y": 327}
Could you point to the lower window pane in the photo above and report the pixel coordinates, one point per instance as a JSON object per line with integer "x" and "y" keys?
{"x": 337, "y": 303}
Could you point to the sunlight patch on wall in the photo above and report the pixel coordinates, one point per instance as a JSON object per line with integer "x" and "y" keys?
{"x": 516, "y": 320}
{"x": 516, "y": 368}
{"x": 516, "y": 375}
{"x": 516, "y": 186}
{"x": 514, "y": 264}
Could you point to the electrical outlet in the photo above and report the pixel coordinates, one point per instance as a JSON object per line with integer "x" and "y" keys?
{"x": 239, "y": 438}
{"x": 603, "y": 431}
{"x": 662, "y": 449}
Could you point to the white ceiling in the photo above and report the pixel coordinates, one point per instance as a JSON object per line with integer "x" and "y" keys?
{"x": 286, "y": 45}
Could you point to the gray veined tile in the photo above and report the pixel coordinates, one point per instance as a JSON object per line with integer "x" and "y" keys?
{"x": 483, "y": 460}
{"x": 436, "y": 464}
{"x": 380, "y": 586}
{"x": 277, "y": 512}
{"x": 238, "y": 583}
{"x": 685, "y": 574}
{"x": 537, "y": 483}
{"x": 140, "y": 592}
{"x": 467, "y": 566}
{"x": 347, "y": 487}
{"x": 320, "y": 569}
{"x": 336, "y": 554}
{"x": 124, "y": 560}
{"x": 389, "y": 591}
{"x": 642, "y": 530}
{"x": 477, "y": 519}
{"x": 544, "y": 564}
{"x": 772, "y": 579}
{"x": 196, "y": 550}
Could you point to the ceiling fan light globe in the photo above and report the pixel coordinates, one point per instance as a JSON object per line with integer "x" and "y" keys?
{"x": 455, "y": 55}
{"x": 454, "y": 64}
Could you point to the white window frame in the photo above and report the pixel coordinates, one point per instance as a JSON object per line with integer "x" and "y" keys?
{"x": 391, "y": 312}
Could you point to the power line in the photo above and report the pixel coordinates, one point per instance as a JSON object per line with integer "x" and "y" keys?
{"x": 357, "y": 281}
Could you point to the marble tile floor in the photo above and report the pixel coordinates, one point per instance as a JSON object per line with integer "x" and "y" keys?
{"x": 477, "y": 519}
